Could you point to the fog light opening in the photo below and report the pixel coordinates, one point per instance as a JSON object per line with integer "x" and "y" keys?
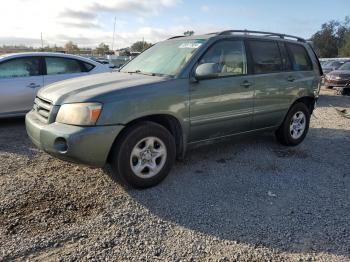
{"x": 61, "y": 145}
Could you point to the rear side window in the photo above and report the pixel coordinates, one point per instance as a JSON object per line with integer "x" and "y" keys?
{"x": 287, "y": 64}
{"x": 300, "y": 59}
{"x": 20, "y": 67}
{"x": 229, "y": 56}
{"x": 60, "y": 65}
{"x": 266, "y": 57}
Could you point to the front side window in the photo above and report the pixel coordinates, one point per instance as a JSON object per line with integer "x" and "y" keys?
{"x": 60, "y": 65}
{"x": 300, "y": 58}
{"x": 229, "y": 56}
{"x": 266, "y": 57}
{"x": 165, "y": 58}
{"x": 20, "y": 67}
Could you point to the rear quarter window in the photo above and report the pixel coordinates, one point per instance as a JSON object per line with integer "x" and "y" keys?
{"x": 300, "y": 58}
{"x": 88, "y": 66}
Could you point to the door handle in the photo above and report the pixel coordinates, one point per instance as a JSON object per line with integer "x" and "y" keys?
{"x": 290, "y": 79}
{"x": 33, "y": 85}
{"x": 246, "y": 84}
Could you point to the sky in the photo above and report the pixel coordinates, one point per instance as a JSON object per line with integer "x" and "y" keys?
{"x": 90, "y": 22}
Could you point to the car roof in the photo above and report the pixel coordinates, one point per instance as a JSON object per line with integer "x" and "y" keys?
{"x": 25, "y": 54}
{"x": 242, "y": 33}
{"x": 337, "y": 62}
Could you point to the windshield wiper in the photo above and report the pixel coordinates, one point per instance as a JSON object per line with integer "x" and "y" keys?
{"x": 140, "y": 72}
{"x": 147, "y": 74}
{"x": 134, "y": 72}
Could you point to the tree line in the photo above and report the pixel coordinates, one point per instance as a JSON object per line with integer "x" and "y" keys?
{"x": 333, "y": 39}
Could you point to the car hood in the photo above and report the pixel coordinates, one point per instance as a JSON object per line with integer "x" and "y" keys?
{"x": 87, "y": 88}
{"x": 341, "y": 73}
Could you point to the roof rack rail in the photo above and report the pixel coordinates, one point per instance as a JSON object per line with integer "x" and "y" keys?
{"x": 268, "y": 34}
{"x": 177, "y": 36}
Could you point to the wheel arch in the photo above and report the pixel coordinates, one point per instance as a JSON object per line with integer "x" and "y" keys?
{"x": 309, "y": 101}
{"x": 171, "y": 123}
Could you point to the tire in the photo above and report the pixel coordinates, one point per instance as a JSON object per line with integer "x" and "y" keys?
{"x": 292, "y": 133}
{"x": 144, "y": 155}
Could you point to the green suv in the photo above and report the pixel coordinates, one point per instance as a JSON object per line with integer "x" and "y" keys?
{"x": 178, "y": 93}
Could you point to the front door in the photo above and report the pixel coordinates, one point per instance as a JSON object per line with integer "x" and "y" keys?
{"x": 20, "y": 79}
{"x": 222, "y": 104}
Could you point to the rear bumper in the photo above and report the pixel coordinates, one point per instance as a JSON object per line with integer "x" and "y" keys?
{"x": 85, "y": 145}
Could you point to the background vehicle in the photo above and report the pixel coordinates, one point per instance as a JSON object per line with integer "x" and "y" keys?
{"x": 103, "y": 61}
{"x": 178, "y": 93}
{"x": 333, "y": 65}
{"x": 23, "y": 74}
{"x": 339, "y": 77}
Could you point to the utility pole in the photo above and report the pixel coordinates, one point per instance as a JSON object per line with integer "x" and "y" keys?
{"x": 143, "y": 44}
{"x": 115, "y": 21}
{"x": 42, "y": 43}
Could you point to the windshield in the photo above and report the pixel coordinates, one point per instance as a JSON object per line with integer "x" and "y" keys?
{"x": 345, "y": 66}
{"x": 326, "y": 63}
{"x": 334, "y": 64}
{"x": 165, "y": 58}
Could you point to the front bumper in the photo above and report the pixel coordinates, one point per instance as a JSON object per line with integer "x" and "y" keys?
{"x": 85, "y": 145}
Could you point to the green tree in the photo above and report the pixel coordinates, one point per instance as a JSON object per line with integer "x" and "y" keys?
{"x": 329, "y": 40}
{"x": 102, "y": 49}
{"x": 325, "y": 41}
{"x": 189, "y": 33}
{"x": 345, "y": 48}
{"x": 71, "y": 48}
{"x": 124, "y": 52}
{"x": 140, "y": 46}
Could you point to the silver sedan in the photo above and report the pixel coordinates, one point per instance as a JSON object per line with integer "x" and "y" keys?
{"x": 22, "y": 75}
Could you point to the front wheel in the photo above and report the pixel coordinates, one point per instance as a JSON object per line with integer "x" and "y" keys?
{"x": 144, "y": 155}
{"x": 295, "y": 126}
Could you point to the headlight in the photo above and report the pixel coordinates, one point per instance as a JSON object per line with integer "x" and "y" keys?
{"x": 330, "y": 77}
{"x": 84, "y": 114}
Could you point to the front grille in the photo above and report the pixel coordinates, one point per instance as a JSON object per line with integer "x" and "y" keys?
{"x": 43, "y": 109}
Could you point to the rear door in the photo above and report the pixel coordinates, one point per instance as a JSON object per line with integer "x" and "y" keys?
{"x": 20, "y": 79}
{"x": 305, "y": 77}
{"x": 61, "y": 68}
{"x": 271, "y": 81}
{"x": 222, "y": 105}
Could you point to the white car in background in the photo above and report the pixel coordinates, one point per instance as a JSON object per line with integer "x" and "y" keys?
{"x": 23, "y": 74}
{"x": 103, "y": 61}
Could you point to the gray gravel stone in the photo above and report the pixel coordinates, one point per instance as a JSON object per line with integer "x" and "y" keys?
{"x": 246, "y": 199}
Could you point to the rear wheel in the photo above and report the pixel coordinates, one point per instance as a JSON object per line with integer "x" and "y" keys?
{"x": 295, "y": 126}
{"x": 144, "y": 155}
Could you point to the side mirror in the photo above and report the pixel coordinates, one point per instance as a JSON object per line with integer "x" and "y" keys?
{"x": 207, "y": 71}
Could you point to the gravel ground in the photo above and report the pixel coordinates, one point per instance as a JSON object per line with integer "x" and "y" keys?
{"x": 248, "y": 199}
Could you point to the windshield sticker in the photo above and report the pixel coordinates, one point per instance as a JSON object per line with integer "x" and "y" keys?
{"x": 190, "y": 45}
